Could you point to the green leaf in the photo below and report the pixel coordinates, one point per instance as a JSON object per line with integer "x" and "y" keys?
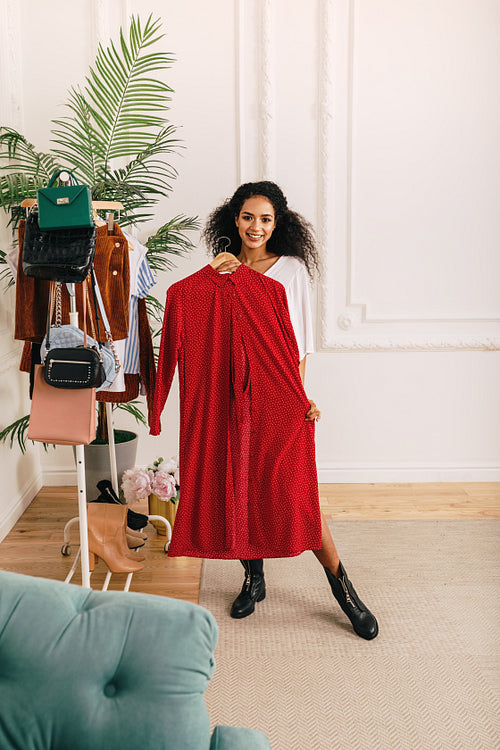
{"x": 114, "y": 136}
{"x": 16, "y": 432}
{"x": 18, "y": 155}
{"x": 170, "y": 239}
{"x": 155, "y": 309}
{"x": 134, "y": 408}
{"x": 120, "y": 83}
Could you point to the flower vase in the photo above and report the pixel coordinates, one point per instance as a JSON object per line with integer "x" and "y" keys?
{"x": 165, "y": 508}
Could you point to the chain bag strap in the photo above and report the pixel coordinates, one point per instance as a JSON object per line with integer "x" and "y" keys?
{"x": 69, "y": 336}
{"x": 79, "y": 366}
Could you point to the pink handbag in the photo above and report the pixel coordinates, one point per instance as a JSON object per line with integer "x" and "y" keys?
{"x": 61, "y": 416}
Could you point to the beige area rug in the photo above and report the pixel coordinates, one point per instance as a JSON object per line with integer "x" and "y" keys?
{"x": 296, "y": 671}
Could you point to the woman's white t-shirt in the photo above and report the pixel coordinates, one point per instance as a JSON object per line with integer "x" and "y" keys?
{"x": 291, "y": 272}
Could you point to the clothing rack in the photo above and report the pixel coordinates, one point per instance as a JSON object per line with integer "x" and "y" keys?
{"x": 83, "y": 553}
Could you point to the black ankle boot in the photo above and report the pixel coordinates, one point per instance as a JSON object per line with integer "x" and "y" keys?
{"x": 363, "y": 622}
{"x": 254, "y": 589}
{"x": 108, "y": 494}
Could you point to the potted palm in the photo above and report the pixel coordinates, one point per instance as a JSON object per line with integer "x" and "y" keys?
{"x": 116, "y": 139}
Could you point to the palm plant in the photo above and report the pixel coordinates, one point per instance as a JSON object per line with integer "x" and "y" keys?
{"x": 115, "y": 138}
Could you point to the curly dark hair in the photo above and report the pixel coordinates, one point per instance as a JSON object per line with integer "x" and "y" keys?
{"x": 293, "y": 235}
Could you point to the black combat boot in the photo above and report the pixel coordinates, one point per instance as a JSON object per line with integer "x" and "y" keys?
{"x": 254, "y": 589}
{"x": 363, "y": 622}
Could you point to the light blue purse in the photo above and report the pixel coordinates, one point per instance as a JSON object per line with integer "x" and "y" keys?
{"x": 69, "y": 336}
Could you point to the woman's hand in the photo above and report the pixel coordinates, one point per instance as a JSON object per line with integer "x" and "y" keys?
{"x": 227, "y": 263}
{"x": 314, "y": 413}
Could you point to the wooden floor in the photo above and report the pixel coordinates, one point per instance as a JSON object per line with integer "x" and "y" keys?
{"x": 34, "y": 545}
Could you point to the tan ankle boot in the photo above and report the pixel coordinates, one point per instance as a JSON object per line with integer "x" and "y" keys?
{"x": 138, "y": 534}
{"x": 107, "y": 539}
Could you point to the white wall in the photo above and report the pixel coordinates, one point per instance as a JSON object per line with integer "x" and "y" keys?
{"x": 21, "y": 474}
{"x": 380, "y": 120}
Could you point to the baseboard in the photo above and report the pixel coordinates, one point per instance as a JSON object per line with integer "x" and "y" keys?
{"x": 23, "y": 500}
{"x": 59, "y": 476}
{"x": 352, "y": 474}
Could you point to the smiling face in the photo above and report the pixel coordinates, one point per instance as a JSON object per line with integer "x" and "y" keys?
{"x": 256, "y": 222}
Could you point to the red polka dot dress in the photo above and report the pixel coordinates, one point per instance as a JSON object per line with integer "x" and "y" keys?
{"x": 248, "y": 477}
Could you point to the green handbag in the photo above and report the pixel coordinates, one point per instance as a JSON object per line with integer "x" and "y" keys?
{"x": 64, "y": 207}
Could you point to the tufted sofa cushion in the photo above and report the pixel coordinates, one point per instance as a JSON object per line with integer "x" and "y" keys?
{"x": 101, "y": 670}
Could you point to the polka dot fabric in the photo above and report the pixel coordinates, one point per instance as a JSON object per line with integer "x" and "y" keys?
{"x": 249, "y": 485}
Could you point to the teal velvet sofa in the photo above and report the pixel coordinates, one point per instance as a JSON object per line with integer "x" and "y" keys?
{"x": 93, "y": 670}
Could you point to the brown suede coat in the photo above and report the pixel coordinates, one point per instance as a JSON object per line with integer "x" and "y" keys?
{"x": 113, "y": 276}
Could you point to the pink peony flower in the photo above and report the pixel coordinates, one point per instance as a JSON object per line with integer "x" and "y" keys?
{"x": 169, "y": 464}
{"x": 163, "y": 485}
{"x": 136, "y": 484}
{"x": 176, "y": 477}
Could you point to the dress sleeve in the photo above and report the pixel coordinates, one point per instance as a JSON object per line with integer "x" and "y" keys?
{"x": 171, "y": 340}
{"x": 299, "y": 306}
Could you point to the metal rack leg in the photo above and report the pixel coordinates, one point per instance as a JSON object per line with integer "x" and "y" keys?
{"x": 80, "y": 473}
{"x": 112, "y": 450}
{"x": 168, "y": 529}
{"x": 66, "y": 548}
{"x": 82, "y": 513}
{"x": 73, "y": 568}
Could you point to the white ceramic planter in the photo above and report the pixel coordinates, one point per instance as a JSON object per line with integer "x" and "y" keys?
{"x": 97, "y": 464}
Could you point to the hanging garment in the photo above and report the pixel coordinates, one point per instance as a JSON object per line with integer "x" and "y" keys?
{"x": 292, "y": 273}
{"x": 112, "y": 270}
{"x": 113, "y": 276}
{"x": 143, "y": 382}
{"x": 136, "y": 351}
{"x": 142, "y": 281}
{"x": 248, "y": 478}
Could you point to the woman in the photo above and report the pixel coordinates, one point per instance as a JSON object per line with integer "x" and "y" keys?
{"x": 269, "y": 238}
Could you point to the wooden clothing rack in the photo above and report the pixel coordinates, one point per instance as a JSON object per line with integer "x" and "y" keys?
{"x": 97, "y": 205}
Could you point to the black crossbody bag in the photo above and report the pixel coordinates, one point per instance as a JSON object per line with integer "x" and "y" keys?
{"x": 78, "y": 366}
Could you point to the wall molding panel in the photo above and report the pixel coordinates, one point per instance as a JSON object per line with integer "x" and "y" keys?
{"x": 100, "y": 26}
{"x": 267, "y": 166}
{"x": 326, "y": 118}
{"x": 11, "y": 65}
{"x": 105, "y": 21}
{"x": 346, "y": 321}
{"x": 408, "y": 344}
{"x": 239, "y": 75}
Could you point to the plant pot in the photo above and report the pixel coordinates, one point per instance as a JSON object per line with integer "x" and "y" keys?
{"x": 167, "y": 509}
{"x": 97, "y": 464}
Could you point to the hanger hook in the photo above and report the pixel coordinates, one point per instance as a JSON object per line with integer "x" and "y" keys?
{"x": 219, "y": 240}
